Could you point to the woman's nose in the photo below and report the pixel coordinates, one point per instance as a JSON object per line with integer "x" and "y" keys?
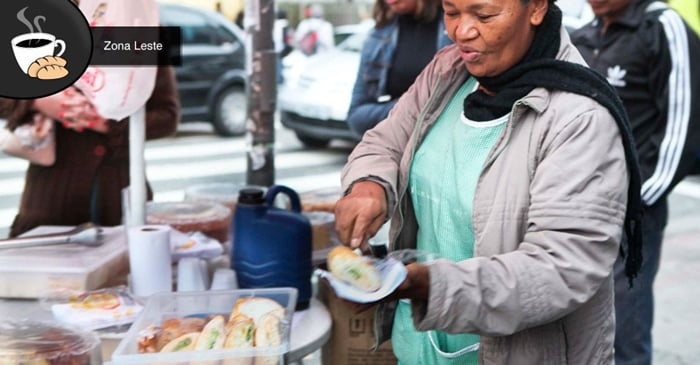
{"x": 466, "y": 30}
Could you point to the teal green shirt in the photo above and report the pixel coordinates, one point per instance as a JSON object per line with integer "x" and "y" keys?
{"x": 442, "y": 181}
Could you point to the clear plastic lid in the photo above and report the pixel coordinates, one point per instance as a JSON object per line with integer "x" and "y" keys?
{"x": 180, "y": 213}
{"x": 317, "y": 218}
{"x": 320, "y": 199}
{"x": 27, "y": 341}
{"x": 216, "y": 192}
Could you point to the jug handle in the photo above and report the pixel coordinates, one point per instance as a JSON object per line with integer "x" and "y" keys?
{"x": 293, "y": 196}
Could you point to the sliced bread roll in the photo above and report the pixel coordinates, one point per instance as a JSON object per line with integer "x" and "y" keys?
{"x": 240, "y": 332}
{"x": 183, "y": 343}
{"x": 256, "y": 307}
{"x": 212, "y": 336}
{"x": 267, "y": 334}
{"x": 175, "y": 327}
{"x": 353, "y": 269}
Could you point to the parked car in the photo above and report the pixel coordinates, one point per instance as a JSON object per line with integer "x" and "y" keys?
{"x": 212, "y": 77}
{"x": 316, "y": 94}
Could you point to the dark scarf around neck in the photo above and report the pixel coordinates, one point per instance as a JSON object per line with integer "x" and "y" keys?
{"x": 540, "y": 68}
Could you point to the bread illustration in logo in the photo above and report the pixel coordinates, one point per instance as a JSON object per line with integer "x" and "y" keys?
{"x": 48, "y": 68}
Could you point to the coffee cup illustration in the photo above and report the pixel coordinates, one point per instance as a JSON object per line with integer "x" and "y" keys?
{"x": 30, "y": 47}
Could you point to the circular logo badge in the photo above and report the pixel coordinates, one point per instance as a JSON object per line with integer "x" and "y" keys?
{"x": 48, "y": 46}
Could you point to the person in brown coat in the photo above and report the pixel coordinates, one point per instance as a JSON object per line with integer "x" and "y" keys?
{"x": 92, "y": 156}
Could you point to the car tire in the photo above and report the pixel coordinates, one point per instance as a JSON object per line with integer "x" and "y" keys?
{"x": 312, "y": 142}
{"x": 230, "y": 112}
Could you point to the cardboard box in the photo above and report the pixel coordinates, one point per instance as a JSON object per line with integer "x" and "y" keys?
{"x": 352, "y": 337}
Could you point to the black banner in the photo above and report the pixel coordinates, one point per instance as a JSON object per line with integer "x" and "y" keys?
{"x": 136, "y": 46}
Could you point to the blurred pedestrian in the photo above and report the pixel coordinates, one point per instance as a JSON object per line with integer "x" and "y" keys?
{"x": 652, "y": 58}
{"x": 314, "y": 33}
{"x": 282, "y": 34}
{"x": 390, "y": 60}
{"x": 515, "y": 163}
{"x": 92, "y": 156}
{"x": 239, "y": 19}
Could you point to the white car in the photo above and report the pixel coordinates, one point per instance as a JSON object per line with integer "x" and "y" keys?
{"x": 314, "y": 99}
{"x": 316, "y": 94}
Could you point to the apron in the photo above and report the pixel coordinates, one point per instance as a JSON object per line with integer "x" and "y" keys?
{"x": 442, "y": 181}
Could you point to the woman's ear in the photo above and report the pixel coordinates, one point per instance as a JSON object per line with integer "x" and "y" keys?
{"x": 539, "y": 9}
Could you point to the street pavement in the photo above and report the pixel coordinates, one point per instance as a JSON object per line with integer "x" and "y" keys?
{"x": 677, "y": 287}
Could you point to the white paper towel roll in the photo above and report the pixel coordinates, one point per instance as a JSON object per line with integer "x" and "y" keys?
{"x": 149, "y": 259}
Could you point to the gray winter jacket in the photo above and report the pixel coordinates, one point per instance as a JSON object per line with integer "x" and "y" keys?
{"x": 548, "y": 215}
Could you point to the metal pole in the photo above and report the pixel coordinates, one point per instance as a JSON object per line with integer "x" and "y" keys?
{"x": 262, "y": 91}
{"x": 137, "y": 168}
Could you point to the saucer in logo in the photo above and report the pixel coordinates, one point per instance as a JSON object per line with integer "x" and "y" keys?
{"x": 49, "y": 45}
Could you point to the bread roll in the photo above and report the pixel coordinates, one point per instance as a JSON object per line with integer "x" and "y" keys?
{"x": 185, "y": 342}
{"x": 148, "y": 339}
{"x": 212, "y": 335}
{"x": 267, "y": 334}
{"x": 240, "y": 332}
{"x": 48, "y": 68}
{"x": 353, "y": 269}
{"x": 175, "y": 327}
{"x": 52, "y": 72}
{"x": 256, "y": 307}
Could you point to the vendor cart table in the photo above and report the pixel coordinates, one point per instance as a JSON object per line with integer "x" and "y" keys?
{"x": 311, "y": 328}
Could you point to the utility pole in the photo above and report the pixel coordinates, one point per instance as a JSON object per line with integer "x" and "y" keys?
{"x": 259, "y": 17}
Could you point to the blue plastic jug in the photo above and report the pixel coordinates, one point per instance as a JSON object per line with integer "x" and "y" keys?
{"x": 271, "y": 245}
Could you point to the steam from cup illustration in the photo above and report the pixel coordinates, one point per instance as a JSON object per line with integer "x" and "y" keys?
{"x": 34, "y": 51}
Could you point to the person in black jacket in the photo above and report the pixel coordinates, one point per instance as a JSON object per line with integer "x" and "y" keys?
{"x": 647, "y": 52}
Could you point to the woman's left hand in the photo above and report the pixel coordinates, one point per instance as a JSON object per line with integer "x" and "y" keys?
{"x": 416, "y": 286}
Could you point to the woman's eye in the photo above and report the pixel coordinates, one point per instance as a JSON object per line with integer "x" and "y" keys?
{"x": 451, "y": 13}
{"x": 484, "y": 16}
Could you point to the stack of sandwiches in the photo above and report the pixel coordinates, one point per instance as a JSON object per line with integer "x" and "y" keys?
{"x": 253, "y": 322}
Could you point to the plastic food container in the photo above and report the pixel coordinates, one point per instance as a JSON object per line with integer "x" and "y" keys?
{"x": 46, "y": 343}
{"x": 164, "y": 306}
{"x": 323, "y": 234}
{"x": 31, "y": 272}
{"x": 320, "y": 199}
{"x": 222, "y": 193}
{"x": 212, "y": 219}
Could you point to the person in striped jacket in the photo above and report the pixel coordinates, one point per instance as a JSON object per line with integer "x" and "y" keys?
{"x": 650, "y": 55}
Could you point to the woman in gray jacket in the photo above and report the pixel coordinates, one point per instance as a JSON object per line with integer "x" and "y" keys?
{"x": 515, "y": 164}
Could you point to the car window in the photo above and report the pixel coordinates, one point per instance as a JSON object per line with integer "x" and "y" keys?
{"x": 354, "y": 42}
{"x": 339, "y": 37}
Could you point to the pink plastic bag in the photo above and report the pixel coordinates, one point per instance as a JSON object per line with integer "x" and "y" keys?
{"x": 118, "y": 92}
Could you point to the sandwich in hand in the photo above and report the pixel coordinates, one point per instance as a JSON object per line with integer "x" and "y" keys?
{"x": 353, "y": 269}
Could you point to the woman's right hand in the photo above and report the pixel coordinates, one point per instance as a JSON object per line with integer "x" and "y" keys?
{"x": 360, "y": 214}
